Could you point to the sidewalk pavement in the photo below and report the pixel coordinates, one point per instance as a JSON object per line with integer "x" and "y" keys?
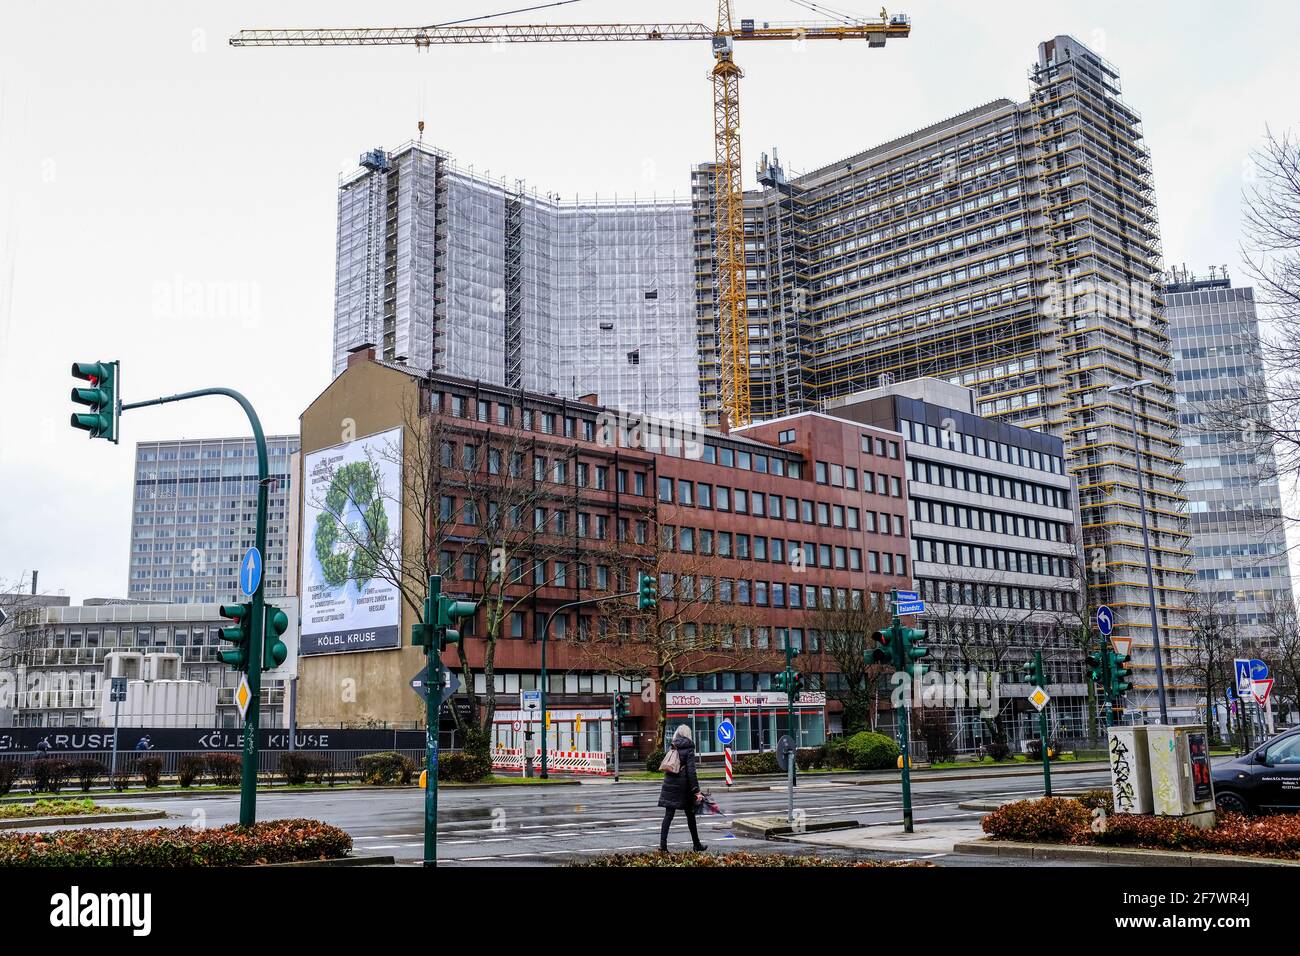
{"x": 928, "y": 838}
{"x": 755, "y": 782}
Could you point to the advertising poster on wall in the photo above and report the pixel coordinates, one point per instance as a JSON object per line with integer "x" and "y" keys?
{"x": 351, "y": 530}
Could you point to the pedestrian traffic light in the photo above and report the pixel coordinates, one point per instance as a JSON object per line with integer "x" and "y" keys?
{"x": 274, "y": 650}
{"x": 100, "y": 398}
{"x": 647, "y": 592}
{"x": 1096, "y": 667}
{"x": 239, "y": 634}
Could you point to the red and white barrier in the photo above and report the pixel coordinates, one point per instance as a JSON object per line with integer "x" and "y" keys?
{"x": 726, "y": 758}
{"x": 561, "y": 761}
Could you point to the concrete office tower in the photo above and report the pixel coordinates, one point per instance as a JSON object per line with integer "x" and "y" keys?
{"x": 1238, "y": 537}
{"x": 193, "y": 515}
{"x": 1012, "y": 249}
{"x": 441, "y": 268}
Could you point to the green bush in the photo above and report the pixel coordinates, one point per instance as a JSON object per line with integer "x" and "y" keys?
{"x": 225, "y": 769}
{"x": 120, "y": 780}
{"x": 387, "y": 768}
{"x": 8, "y": 774}
{"x": 750, "y": 764}
{"x": 871, "y": 751}
{"x": 837, "y": 753}
{"x": 297, "y": 767}
{"x": 1052, "y": 819}
{"x": 150, "y": 769}
{"x": 464, "y": 766}
{"x": 88, "y": 771}
{"x": 655, "y": 758}
{"x": 998, "y": 748}
{"x": 273, "y": 841}
{"x": 190, "y": 769}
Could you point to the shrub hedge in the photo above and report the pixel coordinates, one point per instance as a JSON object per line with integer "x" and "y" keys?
{"x": 272, "y": 841}
{"x": 871, "y": 751}
{"x": 464, "y": 766}
{"x": 150, "y": 768}
{"x": 8, "y": 774}
{"x": 190, "y": 769}
{"x": 224, "y": 769}
{"x": 387, "y": 767}
{"x": 654, "y": 759}
{"x": 88, "y": 771}
{"x": 764, "y": 762}
{"x": 297, "y": 767}
{"x": 1052, "y": 819}
{"x": 1092, "y": 799}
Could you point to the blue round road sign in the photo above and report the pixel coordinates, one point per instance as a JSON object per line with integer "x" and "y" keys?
{"x": 1258, "y": 669}
{"x": 250, "y": 571}
{"x": 1105, "y": 620}
{"x": 726, "y": 733}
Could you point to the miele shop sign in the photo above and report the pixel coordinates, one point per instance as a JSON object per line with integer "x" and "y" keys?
{"x": 728, "y": 700}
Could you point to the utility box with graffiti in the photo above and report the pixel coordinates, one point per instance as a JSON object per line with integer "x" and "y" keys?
{"x": 1181, "y": 784}
{"x": 1130, "y": 769}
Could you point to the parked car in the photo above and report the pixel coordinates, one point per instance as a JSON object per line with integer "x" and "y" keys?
{"x": 1264, "y": 780}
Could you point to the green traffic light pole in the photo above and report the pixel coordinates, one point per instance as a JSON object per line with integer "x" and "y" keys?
{"x": 433, "y": 678}
{"x": 904, "y": 734}
{"x": 546, "y": 630}
{"x": 248, "y": 777}
{"x": 1042, "y": 728}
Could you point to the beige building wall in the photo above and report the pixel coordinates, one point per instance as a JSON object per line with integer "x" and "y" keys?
{"x": 366, "y": 686}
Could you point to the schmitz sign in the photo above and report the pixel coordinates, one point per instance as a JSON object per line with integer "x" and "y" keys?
{"x": 728, "y": 699}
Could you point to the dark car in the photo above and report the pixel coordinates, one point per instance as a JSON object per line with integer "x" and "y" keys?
{"x": 1264, "y": 780}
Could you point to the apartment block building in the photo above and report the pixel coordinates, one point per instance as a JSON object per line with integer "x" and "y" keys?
{"x": 193, "y": 515}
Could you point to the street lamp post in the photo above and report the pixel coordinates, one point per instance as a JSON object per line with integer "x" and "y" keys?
{"x": 1129, "y": 389}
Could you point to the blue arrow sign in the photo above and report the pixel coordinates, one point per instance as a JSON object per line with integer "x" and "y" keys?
{"x": 1258, "y": 669}
{"x": 906, "y": 596}
{"x": 1241, "y": 668}
{"x": 250, "y": 571}
{"x": 1105, "y": 620}
{"x": 911, "y": 607}
{"x": 726, "y": 733}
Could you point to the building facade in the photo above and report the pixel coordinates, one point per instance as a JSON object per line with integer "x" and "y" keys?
{"x": 1234, "y": 502}
{"x": 1012, "y": 249}
{"x": 65, "y": 656}
{"x": 442, "y": 269}
{"x": 194, "y": 514}
{"x": 995, "y": 549}
{"x": 751, "y": 536}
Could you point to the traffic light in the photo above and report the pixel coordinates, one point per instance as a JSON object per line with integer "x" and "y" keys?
{"x": 621, "y": 710}
{"x": 450, "y": 611}
{"x": 883, "y": 652}
{"x": 1032, "y": 673}
{"x": 100, "y": 398}
{"x": 647, "y": 592}
{"x": 1097, "y": 668}
{"x": 796, "y": 684}
{"x": 1119, "y": 675}
{"x": 239, "y": 634}
{"x": 274, "y": 650}
{"x": 914, "y": 650}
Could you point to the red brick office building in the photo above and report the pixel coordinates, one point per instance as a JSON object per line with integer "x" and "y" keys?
{"x": 751, "y": 535}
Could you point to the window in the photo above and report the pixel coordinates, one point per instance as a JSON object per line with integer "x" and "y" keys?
{"x": 665, "y": 489}
{"x": 685, "y": 492}
{"x": 705, "y": 495}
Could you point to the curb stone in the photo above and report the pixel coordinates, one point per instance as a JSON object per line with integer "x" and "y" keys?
{"x": 25, "y": 823}
{"x": 341, "y": 861}
{"x": 1116, "y": 855}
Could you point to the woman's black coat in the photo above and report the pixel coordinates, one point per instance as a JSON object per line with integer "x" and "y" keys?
{"x": 679, "y": 789}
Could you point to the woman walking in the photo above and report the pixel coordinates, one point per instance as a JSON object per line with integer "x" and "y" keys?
{"x": 681, "y": 789}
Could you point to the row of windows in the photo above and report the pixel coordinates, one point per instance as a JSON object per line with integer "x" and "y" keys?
{"x": 955, "y": 440}
{"x": 993, "y": 559}
{"x": 964, "y": 479}
{"x": 981, "y": 519}
{"x": 721, "y": 498}
{"x": 997, "y": 596}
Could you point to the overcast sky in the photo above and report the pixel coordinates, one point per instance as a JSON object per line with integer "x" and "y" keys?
{"x": 169, "y": 201}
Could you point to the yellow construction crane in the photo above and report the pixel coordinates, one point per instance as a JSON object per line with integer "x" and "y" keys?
{"x": 729, "y": 221}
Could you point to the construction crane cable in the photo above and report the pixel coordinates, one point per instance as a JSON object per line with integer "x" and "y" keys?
{"x": 503, "y": 13}
{"x": 817, "y": 8}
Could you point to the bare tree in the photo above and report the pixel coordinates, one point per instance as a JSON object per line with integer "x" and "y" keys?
{"x": 1281, "y": 642}
{"x": 845, "y": 644}
{"x": 1073, "y": 626}
{"x": 1212, "y": 639}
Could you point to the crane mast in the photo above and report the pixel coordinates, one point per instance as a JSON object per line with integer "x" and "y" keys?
{"x": 729, "y": 197}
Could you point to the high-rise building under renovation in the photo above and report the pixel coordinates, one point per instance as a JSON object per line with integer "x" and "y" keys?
{"x": 194, "y": 514}
{"x": 1012, "y": 249}
{"x": 1235, "y": 505}
{"x": 440, "y": 268}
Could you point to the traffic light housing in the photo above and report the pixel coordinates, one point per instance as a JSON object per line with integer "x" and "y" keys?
{"x": 450, "y": 612}
{"x": 100, "y": 398}
{"x": 274, "y": 650}
{"x": 913, "y": 650}
{"x": 1032, "y": 673}
{"x": 1119, "y": 675}
{"x": 621, "y": 710}
{"x": 796, "y": 684}
{"x": 883, "y": 652}
{"x": 647, "y": 592}
{"x": 239, "y": 634}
